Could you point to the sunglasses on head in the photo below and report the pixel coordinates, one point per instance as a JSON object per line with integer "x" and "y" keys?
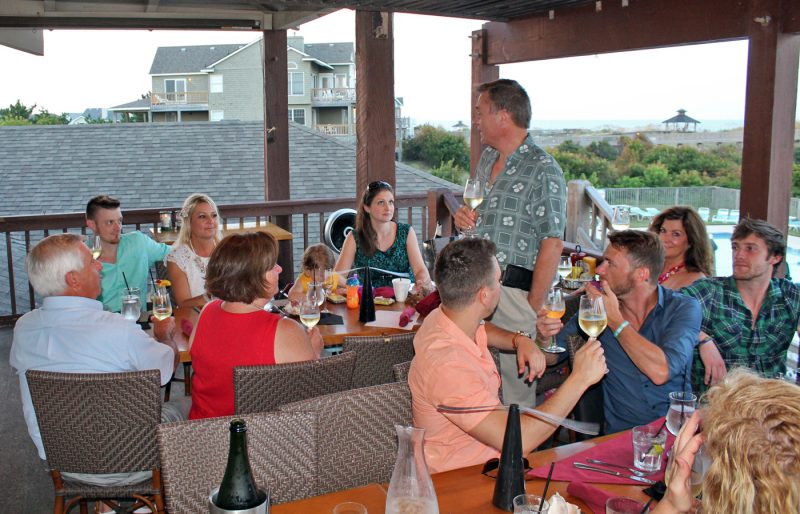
{"x": 491, "y": 467}
{"x": 378, "y": 184}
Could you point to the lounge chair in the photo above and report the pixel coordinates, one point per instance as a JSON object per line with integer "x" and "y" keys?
{"x": 733, "y": 216}
{"x": 704, "y": 213}
{"x": 721, "y": 216}
{"x": 653, "y": 212}
{"x": 640, "y": 214}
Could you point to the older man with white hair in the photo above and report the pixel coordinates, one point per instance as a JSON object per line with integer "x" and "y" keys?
{"x": 72, "y": 333}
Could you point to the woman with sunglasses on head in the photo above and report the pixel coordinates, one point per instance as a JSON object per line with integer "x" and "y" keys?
{"x": 380, "y": 242}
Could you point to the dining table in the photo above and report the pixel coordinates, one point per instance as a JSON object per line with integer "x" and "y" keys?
{"x": 466, "y": 490}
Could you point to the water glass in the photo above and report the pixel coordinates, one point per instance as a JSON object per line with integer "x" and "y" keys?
{"x": 648, "y": 447}
{"x": 131, "y": 304}
{"x": 350, "y": 508}
{"x": 681, "y": 407}
{"x": 529, "y": 503}
{"x": 621, "y": 505}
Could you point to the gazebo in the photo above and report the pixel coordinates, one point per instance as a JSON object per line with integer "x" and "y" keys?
{"x": 681, "y": 122}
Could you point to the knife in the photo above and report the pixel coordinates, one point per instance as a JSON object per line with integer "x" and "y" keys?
{"x": 643, "y": 480}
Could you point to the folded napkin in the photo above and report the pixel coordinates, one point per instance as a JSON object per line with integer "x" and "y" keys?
{"x": 406, "y": 316}
{"x": 186, "y": 327}
{"x": 329, "y": 318}
{"x": 385, "y": 291}
{"x": 593, "y": 497}
{"x": 429, "y": 303}
{"x": 618, "y": 450}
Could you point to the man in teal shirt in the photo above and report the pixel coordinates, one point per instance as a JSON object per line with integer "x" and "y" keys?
{"x": 125, "y": 257}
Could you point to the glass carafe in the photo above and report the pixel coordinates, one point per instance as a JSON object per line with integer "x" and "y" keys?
{"x": 411, "y": 489}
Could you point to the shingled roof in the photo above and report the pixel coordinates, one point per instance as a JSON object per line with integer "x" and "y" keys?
{"x": 189, "y": 59}
{"x": 56, "y": 169}
{"x": 331, "y": 53}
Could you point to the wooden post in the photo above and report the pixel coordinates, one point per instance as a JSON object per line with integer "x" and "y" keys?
{"x": 481, "y": 72}
{"x": 770, "y": 104}
{"x": 375, "y": 123}
{"x": 276, "y": 139}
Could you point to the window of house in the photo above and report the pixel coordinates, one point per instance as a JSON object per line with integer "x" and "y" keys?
{"x": 296, "y": 85}
{"x": 216, "y": 115}
{"x": 298, "y": 116}
{"x": 292, "y": 65}
{"x": 341, "y": 80}
{"x": 175, "y": 90}
{"x": 216, "y": 84}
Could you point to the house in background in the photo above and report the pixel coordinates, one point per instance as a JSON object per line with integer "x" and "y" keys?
{"x": 225, "y": 82}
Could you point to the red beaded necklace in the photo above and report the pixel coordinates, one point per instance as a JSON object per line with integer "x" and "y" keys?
{"x": 665, "y": 276}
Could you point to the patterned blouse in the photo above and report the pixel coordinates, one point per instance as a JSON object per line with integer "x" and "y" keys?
{"x": 393, "y": 259}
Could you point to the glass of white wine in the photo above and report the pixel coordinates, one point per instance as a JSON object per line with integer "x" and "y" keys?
{"x": 554, "y": 305}
{"x": 564, "y": 267}
{"x": 621, "y": 218}
{"x": 309, "y": 313}
{"x": 473, "y": 197}
{"x": 592, "y": 315}
{"x": 97, "y": 247}
{"x": 162, "y": 305}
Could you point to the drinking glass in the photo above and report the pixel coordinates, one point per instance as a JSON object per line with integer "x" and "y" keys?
{"x": 473, "y": 197}
{"x": 648, "y": 447}
{"x": 162, "y": 305}
{"x": 309, "y": 313}
{"x": 131, "y": 303}
{"x": 621, "y": 218}
{"x": 96, "y": 248}
{"x": 316, "y": 293}
{"x": 349, "y": 508}
{"x": 621, "y": 505}
{"x": 554, "y": 305}
{"x": 699, "y": 468}
{"x": 592, "y": 315}
{"x": 529, "y": 504}
{"x": 327, "y": 285}
{"x": 681, "y": 407}
{"x": 565, "y": 267}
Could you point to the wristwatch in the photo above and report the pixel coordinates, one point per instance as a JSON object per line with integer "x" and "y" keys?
{"x": 516, "y": 335}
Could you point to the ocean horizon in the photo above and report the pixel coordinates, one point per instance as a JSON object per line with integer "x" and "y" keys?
{"x": 624, "y": 125}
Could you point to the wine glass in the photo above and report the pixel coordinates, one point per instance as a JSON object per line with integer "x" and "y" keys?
{"x": 162, "y": 305}
{"x": 473, "y": 197}
{"x": 554, "y": 305}
{"x": 97, "y": 248}
{"x": 309, "y": 313}
{"x": 564, "y": 267}
{"x": 621, "y": 218}
{"x": 327, "y": 285}
{"x": 316, "y": 293}
{"x": 592, "y": 315}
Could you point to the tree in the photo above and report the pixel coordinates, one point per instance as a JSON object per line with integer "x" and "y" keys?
{"x": 45, "y": 117}
{"x": 435, "y": 146}
{"x": 19, "y": 114}
{"x": 17, "y": 110}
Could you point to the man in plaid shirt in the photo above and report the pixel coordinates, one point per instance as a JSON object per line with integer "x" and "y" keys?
{"x": 749, "y": 318}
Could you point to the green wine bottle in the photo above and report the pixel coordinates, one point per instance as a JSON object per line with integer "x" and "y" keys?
{"x": 238, "y": 490}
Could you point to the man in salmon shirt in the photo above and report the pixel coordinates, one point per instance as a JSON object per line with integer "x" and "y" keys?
{"x": 452, "y": 365}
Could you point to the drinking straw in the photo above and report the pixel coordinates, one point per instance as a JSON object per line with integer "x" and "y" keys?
{"x": 152, "y": 279}
{"x": 546, "y": 485}
{"x": 647, "y": 505}
{"x": 126, "y": 280}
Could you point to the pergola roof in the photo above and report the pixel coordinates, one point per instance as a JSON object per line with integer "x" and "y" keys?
{"x": 248, "y": 14}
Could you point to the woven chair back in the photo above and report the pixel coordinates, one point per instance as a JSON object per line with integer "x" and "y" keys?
{"x": 265, "y": 388}
{"x": 401, "y": 371}
{"x": 281, "y": 448}
{"x": 377, "y": 355}
{"x": 356, "y": 438}
{"x": 98, "y": 422}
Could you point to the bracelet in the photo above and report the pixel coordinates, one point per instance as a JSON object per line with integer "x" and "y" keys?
{"x": 620, "y": 328}
{"x": 704, "y": 341}
{"x": 516, "y": 335}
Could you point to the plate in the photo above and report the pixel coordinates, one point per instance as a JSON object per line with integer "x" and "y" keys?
{"x": 575, "y": 283}
{"x": 380, "y": 300}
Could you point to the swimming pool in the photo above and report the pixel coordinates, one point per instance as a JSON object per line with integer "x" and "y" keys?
{"x": 724, "y": 257}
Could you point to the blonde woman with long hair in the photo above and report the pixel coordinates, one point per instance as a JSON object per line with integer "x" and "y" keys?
{"x": 751, "y": 433}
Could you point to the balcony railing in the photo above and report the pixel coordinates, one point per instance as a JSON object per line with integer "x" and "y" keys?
{"x": 307, "y": 223}
{"x": 189, "y": 97}
{"x": 333, "y": 95}
{"x": 336, "y": 130}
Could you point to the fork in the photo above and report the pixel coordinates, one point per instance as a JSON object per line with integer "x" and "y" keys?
{"x": 604, "y": 463}
{"x": 582, "y": 427}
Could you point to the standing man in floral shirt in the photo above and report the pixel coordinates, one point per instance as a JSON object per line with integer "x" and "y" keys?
{"x": 524, "y": 213}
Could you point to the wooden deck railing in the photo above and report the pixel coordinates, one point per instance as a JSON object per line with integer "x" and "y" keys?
{"x": 307, "y": 222}
{"x": 333, "y": 95}
{"x": 174, "y": 98}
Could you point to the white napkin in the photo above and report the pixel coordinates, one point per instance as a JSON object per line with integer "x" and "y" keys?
{"x": 391, "y": 319}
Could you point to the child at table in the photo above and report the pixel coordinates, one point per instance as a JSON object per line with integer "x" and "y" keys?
{"x": 316, "y": 259}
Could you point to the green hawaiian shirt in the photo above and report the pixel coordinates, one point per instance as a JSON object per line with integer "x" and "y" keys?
{"x": 526, "y": 203}
{"x": 761, "y": 347}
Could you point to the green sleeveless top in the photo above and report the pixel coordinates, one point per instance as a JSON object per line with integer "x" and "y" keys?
{"x": 393, "y": 259}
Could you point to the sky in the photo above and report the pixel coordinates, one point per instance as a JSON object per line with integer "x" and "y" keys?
{"x": 82, "y": 69}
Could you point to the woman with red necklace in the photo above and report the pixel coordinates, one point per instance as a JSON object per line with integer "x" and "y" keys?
{"x": 688, "y": 255}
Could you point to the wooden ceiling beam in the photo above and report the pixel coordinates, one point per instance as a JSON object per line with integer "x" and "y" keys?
{"x": 641, "y": 25}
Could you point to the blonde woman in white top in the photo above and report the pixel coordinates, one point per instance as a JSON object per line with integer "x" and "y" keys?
{"x": 188, "y": 259}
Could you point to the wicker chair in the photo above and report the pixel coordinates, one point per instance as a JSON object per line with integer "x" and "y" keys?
{"x": 376, "y": 355}
{"x": 356, "y": 438}
{"x": 265, "y": 388}
{"x": 99, "y": 423}
{"x": 590, "y": 406}
{"x": 400, "y": 371}
{"x": 281, "y": 448}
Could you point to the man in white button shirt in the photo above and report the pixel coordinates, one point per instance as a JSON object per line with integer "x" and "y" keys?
{"x": 72, "y": 333}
